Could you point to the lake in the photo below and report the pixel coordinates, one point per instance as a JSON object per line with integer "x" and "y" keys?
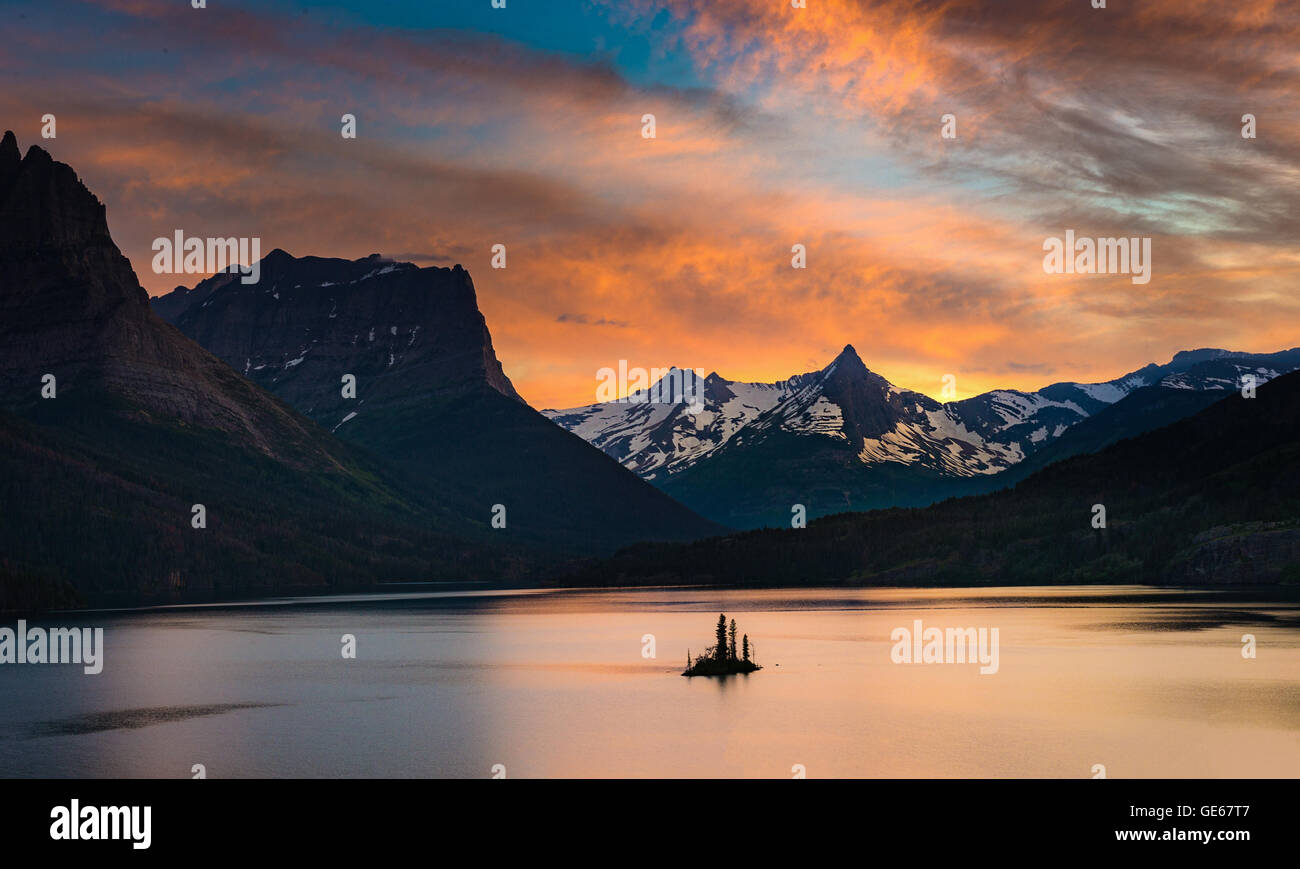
{"x": 1145, "y": 682}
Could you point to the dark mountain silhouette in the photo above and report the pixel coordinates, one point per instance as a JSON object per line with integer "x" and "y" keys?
{"x": 1211, "y": 499}
{"x": 431, "y": 398}
{"x": 97, "y": 483}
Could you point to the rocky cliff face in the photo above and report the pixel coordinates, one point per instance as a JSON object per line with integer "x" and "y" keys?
{"x": 430, "y": 397}
{"x": 102, "y": 484}
{"x": 71, "y": 306}
{"x": 404, "y": 333}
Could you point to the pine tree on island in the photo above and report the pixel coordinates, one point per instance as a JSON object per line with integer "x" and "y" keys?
{"x": 722, "y": 658}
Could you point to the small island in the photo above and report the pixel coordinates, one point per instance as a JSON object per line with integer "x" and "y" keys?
{"x": 721, "y": 659}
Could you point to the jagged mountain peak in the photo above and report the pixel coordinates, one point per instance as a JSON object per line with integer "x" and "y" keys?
{"x": 45, "y": 203}
{"x": 848, "y": 362}
{"x": 9, "y": 157}
{"x": 845, "y": 420}
{"x": 62, "y": 274}
{"x": 37, "y": 154}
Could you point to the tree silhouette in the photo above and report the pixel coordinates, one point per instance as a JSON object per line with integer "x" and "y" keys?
{"x": 724, "y": 657}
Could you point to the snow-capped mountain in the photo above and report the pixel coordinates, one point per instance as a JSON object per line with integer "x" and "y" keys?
{"x": 834, "y": 424}
{"x": 655, "y": 438}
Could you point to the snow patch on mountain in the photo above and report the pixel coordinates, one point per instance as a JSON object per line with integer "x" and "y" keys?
{"x": 823, "y": 417}
{"x": 1016, "y": 408}
{"x": 653, "y": 438}
{"x": 1108, "y": 393}
{"x": 976, "y": 436}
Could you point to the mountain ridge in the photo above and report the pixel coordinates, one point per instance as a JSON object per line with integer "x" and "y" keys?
{"x": 71, "y": 306}
{"x": 431, "y": 399}
{"x": 844, "y": 438}
{"x": 147, "y": 470}
{"x": 1210, "y": 499}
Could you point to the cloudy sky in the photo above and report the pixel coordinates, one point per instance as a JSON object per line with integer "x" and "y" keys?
{"x": 775, "y": 126}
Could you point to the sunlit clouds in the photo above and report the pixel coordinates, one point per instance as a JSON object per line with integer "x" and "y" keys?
{"x": 774, "y": 127}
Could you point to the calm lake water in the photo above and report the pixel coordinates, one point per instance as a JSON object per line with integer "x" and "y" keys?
{"x": 1145, "y": 682}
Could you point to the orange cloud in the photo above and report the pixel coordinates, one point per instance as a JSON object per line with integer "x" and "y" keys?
{"x": 821, "y": 128}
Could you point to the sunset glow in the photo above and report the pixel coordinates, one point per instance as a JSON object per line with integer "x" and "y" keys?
{"x": 775, "y": 126}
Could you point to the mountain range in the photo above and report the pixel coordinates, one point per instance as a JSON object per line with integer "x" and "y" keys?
{"x": 115, "y": 429}
{"x": 346, "y": 424}
{"x": 431, "y": 399}
{"x": 844, "y": 438}
{"x": 136, "y": 466}
{"x": 1211, "y": 499}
